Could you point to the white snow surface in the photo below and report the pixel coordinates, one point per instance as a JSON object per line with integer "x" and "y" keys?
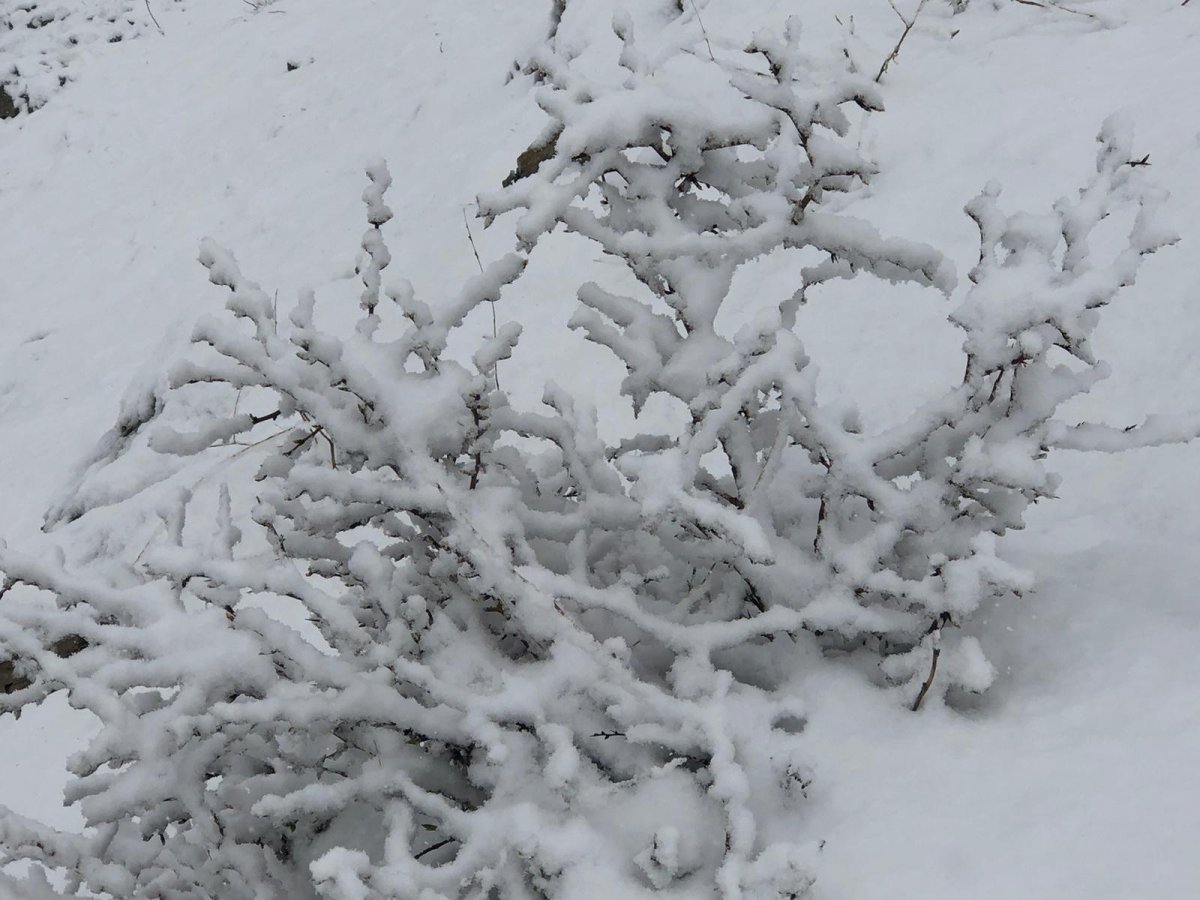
{"x": 1076, "y": 775}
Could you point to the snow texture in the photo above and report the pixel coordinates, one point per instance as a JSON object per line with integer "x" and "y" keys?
{"x": 350, "y": 619}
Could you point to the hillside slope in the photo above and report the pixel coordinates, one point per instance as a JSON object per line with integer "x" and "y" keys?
{"x": 1075, "y": 776}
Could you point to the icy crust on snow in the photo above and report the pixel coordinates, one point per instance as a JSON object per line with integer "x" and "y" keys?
{"x": 44, "y": 42}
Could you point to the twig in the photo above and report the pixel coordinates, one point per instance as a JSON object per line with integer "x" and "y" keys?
{"x": 703, "y": 30}
{"x": 937, "y": 651}
{"x": 479, "y": 262}
{"x": 245, "y": 448}
{"x": 301, "y": 442}
{"x": 1066, "y": 9}
{"x": 471, "y": 238}
{"x": 908, "y": 26}
{"x": 270, "y": 437}
{"x": 154, "y": 19}
{"x": 821, "y": 513}
{"x": 935, "y": 632}
{"x": 438, "y": 846}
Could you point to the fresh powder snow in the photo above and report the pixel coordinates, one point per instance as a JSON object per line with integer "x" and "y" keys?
{"x": 216, "y": 155}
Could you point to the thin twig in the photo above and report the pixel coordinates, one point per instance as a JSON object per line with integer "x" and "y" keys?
{"x": 471, "y": 238}
{"x": 935, "y": 632}
{"x": 908, "y": 26}
{"x": 479, "y": 262}
{"x": 266, "y": 417}
{"x": 1066, "y": 9}
{"x": 438, "y": 846}
{"x": 703, "y": 30}
{"x": 270, "y": 437}
{"x": 303, "y": 441}
{"x": 928, "y": 679}
{"x": 154, "y": 19}
{"x": 245, "y": 448}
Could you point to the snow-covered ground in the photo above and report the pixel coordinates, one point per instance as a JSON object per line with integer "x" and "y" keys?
{"x": 1076, "y": 776}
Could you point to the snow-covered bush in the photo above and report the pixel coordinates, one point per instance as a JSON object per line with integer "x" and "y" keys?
{"x": 438, "y": 646}
{"x": 783, "y": 504}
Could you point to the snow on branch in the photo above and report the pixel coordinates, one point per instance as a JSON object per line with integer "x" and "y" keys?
{"x": 437, "y": 646}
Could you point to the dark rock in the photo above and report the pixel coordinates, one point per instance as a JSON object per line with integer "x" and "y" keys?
{"x": 8, "y": 106}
